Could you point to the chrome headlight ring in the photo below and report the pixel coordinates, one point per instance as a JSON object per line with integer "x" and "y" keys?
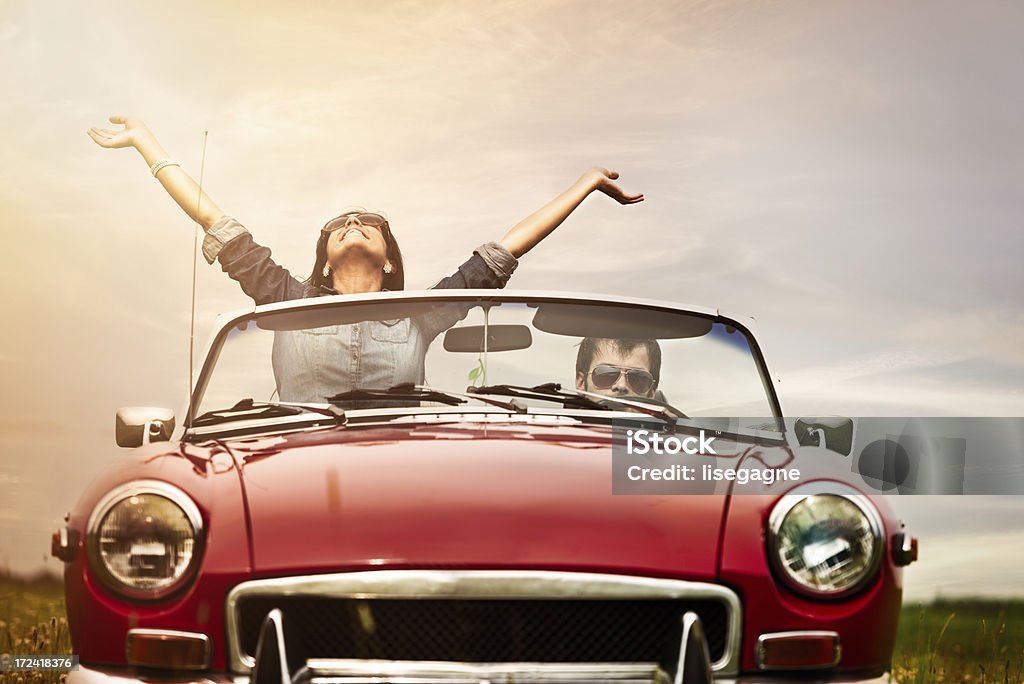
{"x": 835, "y": 556}
{"x": 161, "y": 556}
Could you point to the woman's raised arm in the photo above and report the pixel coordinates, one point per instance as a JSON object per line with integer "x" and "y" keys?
{"x": 178, "y": 184}
{"x": 525, "y": 235}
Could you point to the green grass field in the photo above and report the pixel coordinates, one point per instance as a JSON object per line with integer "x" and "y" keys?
{"x": 961, "y": 641}
{"x": 944, "y": 641}
{"x": 32, "y": 622}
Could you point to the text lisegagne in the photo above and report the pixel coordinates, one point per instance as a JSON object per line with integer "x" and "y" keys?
{"x": 711, "y": 474}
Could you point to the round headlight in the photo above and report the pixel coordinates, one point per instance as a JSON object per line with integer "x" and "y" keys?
{"x": 825, "y": 540}
{"x": 145, "y": 539}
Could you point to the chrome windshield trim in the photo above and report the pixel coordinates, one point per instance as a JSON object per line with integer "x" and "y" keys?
{"x": 355, "y": 418}
{"x": 435, "y": 415}
{"x": 445, "y": 415}
{"x": 507, "y": 294}
{"x": 490, "y": 584}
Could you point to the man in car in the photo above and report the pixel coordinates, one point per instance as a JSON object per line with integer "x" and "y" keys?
{"x": 618, "y": 367}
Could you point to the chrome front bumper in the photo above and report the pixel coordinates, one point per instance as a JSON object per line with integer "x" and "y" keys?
{"x": 88, "y": 675}
{"x": 483, "y": 585}
{"x": 109, "y": 675}
{"x": 276, "y": 658}
{"x": 352, "y": 672}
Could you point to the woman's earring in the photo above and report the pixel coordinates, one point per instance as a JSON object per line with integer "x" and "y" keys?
{"x": 327, "y": 271}
{"x": 387, "y": 267}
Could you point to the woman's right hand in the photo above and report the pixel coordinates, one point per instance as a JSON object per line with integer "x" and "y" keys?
{"x": 178, "y": 184}
{"x": 129, "y": 136}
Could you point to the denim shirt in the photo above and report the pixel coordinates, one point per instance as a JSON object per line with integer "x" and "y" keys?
{"x": 311, "y": 365}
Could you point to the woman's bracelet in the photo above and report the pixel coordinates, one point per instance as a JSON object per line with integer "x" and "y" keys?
{"x": 155, "y": 168}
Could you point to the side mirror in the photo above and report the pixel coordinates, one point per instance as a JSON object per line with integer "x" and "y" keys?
{"x": 138, "y": 425}
{"x": 835, "y": 433}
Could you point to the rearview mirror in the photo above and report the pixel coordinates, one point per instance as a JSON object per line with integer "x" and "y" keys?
{"x": 138, "y": 425}
{"x": 470, "y": 338}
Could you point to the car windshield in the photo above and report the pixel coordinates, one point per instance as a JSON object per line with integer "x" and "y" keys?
{"x": 485, "y": 351}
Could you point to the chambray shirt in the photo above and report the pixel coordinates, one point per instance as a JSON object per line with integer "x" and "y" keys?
{"x": 311, "y": 365}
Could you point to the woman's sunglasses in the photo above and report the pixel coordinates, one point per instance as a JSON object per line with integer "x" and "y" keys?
{"x": 605, "y": 375}
{"x": 364, "y": 218}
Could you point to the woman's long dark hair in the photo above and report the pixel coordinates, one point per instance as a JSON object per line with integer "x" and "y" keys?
{"x": 392, "y": 281}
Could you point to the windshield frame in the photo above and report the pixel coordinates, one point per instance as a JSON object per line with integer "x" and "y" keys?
{"x": 228, "y": 321}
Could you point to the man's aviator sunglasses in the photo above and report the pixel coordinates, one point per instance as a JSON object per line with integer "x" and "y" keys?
{"x": 364, "y": 218}
{"x": 605, "y": 375}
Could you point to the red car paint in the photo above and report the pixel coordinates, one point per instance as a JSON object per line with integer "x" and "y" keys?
{"x": 508, "y": 497}
{"x": 457, "y": 494}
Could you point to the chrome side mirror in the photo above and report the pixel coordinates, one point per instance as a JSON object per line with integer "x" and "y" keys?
{"x": 831, "y": 432}
{"x": 138, "y": 425}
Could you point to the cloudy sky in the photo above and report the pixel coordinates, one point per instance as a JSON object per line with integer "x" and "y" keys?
{"x": 848, "y": 173}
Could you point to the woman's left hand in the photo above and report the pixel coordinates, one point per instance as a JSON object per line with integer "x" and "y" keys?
{"x": 525, "y": 235}
{"x": 602, "y": 179}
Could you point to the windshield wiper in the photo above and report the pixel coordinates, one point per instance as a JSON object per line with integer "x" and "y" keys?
{"x": 639, "y": 404}
{"x": 405, "y": 391}
{"x": 552, "y": 391}
{"x": 426, "y": 393}
{"x": 549, "y": 391}
{"x": 248, "y": 409}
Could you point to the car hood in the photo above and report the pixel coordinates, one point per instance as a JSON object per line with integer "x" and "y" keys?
{"x": 467, "y": 496}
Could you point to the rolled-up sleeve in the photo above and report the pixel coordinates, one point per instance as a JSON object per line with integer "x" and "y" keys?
{"x": 223, "y": 231}
{"x": 490, "y": 267}
{"x": 498, "y": 259}
{"x": 249, "y": 263}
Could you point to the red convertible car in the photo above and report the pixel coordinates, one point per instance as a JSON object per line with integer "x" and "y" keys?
{"x": 442, "y": 486}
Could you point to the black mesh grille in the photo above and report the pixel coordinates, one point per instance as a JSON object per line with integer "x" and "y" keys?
{"x": 481, "y": 631}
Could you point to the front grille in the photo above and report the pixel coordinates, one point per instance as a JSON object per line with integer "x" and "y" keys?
{"x": 486, "y": 630}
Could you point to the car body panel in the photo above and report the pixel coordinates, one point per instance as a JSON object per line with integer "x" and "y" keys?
{"x": 474, "y": 488}
{"x": 98, "y": 618}
{"x": 866, "y": 622}
{"x": 495, "y": 496}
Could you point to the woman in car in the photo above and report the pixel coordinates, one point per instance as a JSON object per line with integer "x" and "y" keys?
{"x": 355, "y": 252}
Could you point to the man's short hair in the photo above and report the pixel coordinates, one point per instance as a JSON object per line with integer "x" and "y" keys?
{"x": 589, "y": 346}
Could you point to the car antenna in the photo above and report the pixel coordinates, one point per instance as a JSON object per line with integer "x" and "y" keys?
{"x": 195, "y": 258}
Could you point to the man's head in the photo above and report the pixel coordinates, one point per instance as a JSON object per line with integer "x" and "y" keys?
{"x": 618, "y": 367}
